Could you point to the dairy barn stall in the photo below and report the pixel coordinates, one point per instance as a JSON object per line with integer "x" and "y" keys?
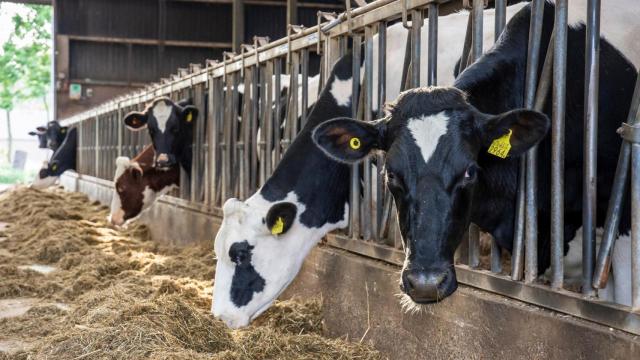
{"x": 271, "y": 179}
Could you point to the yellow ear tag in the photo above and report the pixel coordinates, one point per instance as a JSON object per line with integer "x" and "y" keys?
{"x": 189, "y": 116}
{"x": 278, "y": 227}
{"x": 63, "y": 130}
{"x": 54, "y": 167}
{"x": 501, "y": 146}
{"x": 354, "y": 143}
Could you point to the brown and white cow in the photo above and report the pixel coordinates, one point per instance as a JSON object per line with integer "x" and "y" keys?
{"x": 137, "y": 185}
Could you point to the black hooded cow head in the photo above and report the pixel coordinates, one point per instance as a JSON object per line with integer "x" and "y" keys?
{"x": 63, "y": 159}
{"x": 55, "y": 134}
{"x": 434, "y": 140}
{"x": 170, "y": 126}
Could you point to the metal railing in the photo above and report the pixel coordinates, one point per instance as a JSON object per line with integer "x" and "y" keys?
{"x": 231, "y": 158}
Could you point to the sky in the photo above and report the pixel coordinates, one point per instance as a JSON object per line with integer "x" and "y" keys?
{"x": 26, "y": 116}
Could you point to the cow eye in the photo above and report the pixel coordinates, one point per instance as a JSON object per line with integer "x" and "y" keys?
{"x": 471, "y": 173}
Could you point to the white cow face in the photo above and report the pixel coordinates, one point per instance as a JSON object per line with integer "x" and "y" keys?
{"x": 260, "y": 248}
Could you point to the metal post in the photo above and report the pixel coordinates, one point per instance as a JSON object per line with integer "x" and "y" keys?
{"x": 237, "y": 14}
{"x": 474, "y": 231}
{"x": 617, "y": 195}
{"x": 432, "y": 70}
{"x": 416, "y": 30}
{"x": 354, "y": 229}
{"x": 278, "y": 112}
{"x": 590, "y": 145}
{"x": 305, "y": 86}
{"x": 531, "y": 210}
{"x": 635, "y": 227}
{"x": 368, "y": 107}
{"x": 382, "y": 81}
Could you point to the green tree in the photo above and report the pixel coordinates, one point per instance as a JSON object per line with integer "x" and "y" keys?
{"x": 25, "y": 61}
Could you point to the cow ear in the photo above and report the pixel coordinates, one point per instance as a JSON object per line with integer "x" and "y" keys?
{"x": 189, "y": 113}
{"x": 348, "y": 140}
{"x": 514, "y": 132}
{"x": 41, "y": 129}
{"x": 280, "y": 217}
{"x": 33, "y": 133}
{"x": 136, "y": 121}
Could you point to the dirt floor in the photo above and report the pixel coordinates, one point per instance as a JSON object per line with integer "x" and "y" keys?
{"x": 71, "y": 287}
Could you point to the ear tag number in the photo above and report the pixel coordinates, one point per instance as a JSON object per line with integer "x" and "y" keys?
{"x": 278, "y": 227}
{"x": 354, "y": 143}
{"x": 189, "y": 116}
{"x": 501, "y": 146}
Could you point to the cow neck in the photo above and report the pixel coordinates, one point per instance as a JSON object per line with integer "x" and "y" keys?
{"x": 66, "y": 153}
{"x": 495, "y": 84}
{"x": 157, "y": 180}
{"x": 320, "y": 183}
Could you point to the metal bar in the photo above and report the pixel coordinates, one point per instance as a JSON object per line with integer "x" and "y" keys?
{"x": 237, "y": 35}
{"x": 278, "y": 113}
{"x": 432, "y": 66}
{"x": 305, "y": 86}
{"x": 635, "y": 227}
{"x": 474, "y": 231}
{"x": 466, "y": 47}
{"x": 416, "y": 31}
{"x": 151, "y": 42}
{"x": 354, "y": 229}
{"x": 617, "y": 195}
{"x": 292, "y": 11}
{"x": 367, "y": 201}
{"x": 592, "y": 75}
{"x": 501, "y": 18}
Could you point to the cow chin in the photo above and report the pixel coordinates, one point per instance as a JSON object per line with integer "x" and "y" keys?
{"x": 43, "y": 183}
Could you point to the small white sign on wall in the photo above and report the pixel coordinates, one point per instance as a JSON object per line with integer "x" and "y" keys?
{"x": 75, "y": 91}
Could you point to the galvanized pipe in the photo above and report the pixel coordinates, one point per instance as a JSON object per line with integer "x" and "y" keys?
{"x": 557, "y": 142}
{"x": 531, "y": 205}
{"x": 416, "y": 31}
{"x": 354, "y": 229}
{"x": 635, "y": 227}
{"x": 432, "y": 71}
{"x": 368, "y": 110}
{"x": 618, "y": 189}
{"x": 592, "y": 76}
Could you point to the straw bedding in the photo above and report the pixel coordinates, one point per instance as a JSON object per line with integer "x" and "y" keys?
{"x": 118, "y": 295}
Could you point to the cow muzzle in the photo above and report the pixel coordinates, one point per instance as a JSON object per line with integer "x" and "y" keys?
{"x": 163, "y": 161}
{"x": 429, "y": 285}
{"x": 117, "y": 218}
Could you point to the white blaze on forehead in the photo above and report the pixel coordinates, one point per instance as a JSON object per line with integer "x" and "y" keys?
{"x": 161, "y": 111}
{"x": 341, "y": 91}
{"x": 427, "y": 131}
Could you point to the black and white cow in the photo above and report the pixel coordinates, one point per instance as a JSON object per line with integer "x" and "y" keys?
{"x": 170, "y": 126}
{"x": 305, "y": 198}
{"x": 50, "y": 136}
{"x": 439, "y": 144}
{"x": 63, "y": 159}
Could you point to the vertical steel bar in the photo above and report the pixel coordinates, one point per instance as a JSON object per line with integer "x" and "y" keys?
{"x": 278, "y": 112}
{"x": 617, "y": 195}
{"x": 368, "y": 111}
{"x": 268, "y": 118}
{"x": 354, "y": 229}
{"x": 255, "y": 104}
{"x": 531, "y": 203}
{"x": 474, "y": 231}
{"x": 416, "y": 31}
{"x": 557, "y": 143}
{"x": 305, "y": 86}
{"x": 500, "y": 22}
{"x": 211, "y": 129}
{"x": 635, "y": 227}
{"x": 432, "y": 71}
{"x": 592, "y": 75}
{"x": 382, "y": 79}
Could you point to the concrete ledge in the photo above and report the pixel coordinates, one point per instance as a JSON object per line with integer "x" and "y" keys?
{"x": 358, "y": 294}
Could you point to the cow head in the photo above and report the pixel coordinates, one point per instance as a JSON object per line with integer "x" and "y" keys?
{"x": 55, "y": 134}
{"x": 41, "y": 133}
{"x": 136, "y": 189}
{"x": 260, "y": 248}
{"x": 433, "y": 139}
{"x": 63, "y": 159}
{"x": 170, "y": 126}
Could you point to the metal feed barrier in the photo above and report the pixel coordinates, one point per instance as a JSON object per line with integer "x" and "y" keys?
{"x": 228, "y": 161}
